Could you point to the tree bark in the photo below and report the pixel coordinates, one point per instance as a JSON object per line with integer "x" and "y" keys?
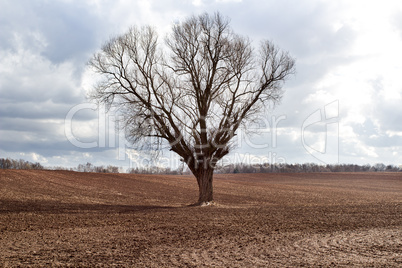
{"x": 205, "y": 179}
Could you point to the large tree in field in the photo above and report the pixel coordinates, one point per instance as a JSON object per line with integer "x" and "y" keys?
{"x": 193, "y": 91}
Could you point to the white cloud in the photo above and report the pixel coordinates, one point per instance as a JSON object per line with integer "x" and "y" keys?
{"x": 26, "y": 75}
{"x": 197, "y": 2}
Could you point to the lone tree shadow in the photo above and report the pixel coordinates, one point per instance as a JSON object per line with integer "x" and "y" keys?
{"x": 48, "y": 206}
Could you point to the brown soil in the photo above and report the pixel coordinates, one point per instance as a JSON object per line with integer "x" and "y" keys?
{"x": 59, "y": 218}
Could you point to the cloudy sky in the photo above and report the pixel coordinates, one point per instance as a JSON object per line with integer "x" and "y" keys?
{"x": 342, "y": 106}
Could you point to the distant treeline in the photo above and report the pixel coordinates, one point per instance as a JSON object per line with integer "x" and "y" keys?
{"x": 22, "y": 164}
{"x": 274, "y": 168}
{"x": 232, "y": 168}
{"x": 308, "y": 167}
{"x": 18, "y": 164}
{"x": 157, "y": 170}
{"x": 89, "y": 167}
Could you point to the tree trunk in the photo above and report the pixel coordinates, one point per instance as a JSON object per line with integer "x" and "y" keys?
{"x": 204, "y": 179}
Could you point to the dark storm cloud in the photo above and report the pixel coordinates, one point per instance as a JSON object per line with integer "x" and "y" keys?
{"x": 42, "y": 110}
{"x": 47, "y": 148}
{"x": 371, "y": 135}
{"x": 27, "y": 125}
{"x": 69, "y": 29}
{"x": 385, "y": 111}
{"x": 306, "y": 28}
{"x": 37, "y": 86}
{"x": 44, "y": 47}
{"x": 389, "y": 114}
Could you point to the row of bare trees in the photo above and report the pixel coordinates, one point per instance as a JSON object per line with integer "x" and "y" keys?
{"x": 7, "y": 163}
{"x": 231, "y": 168}
{"x": 157, "y": 170}
{"x": 89, "y": 167}
{"x": 307, "y": 167}
{"x": 274, "y": 168}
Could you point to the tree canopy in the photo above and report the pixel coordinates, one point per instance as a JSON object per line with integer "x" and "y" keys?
{"x": 193, "y": 91}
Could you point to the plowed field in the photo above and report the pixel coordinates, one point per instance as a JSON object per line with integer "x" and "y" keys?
{"x": 60, "y": 218}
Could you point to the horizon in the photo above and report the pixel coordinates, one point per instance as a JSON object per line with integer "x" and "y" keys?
{"x": 240, "y": 167}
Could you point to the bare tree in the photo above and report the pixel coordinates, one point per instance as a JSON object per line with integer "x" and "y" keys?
{"x": 193, "y": 91}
